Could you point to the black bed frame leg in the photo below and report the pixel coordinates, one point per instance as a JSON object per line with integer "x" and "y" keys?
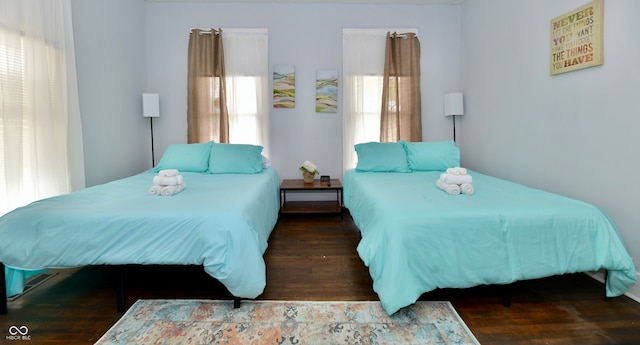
{"x": 3, "y": 290}
{"x": 606, "y": 276}
{"x": 120, "y": 290}
{"x": 236, "y": 302}
{"x": 506, "y": 295}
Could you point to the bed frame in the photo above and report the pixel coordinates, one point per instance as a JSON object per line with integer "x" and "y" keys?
{"x": 120, "y": 291}
{"x": 3, "y": 290}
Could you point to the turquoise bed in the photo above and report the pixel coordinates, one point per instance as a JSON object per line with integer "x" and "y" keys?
{"x": 221, "y": 221}
{"x": 417, "y": 238}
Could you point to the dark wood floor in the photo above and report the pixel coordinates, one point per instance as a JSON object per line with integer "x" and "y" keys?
{"x": 315, "y": 259}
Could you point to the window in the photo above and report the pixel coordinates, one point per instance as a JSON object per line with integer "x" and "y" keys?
{"x": 244, "y": 113}
{"x": 363, "y": 70}
{"x": 40, "y": 139}
{"x": 15, "y": 128}
{"x": 369, "y": 113}
{"x": 242, "y": 103}
{"x": 247, "y": 69}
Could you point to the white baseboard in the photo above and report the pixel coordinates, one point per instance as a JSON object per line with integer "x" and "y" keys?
{"x": 634, "y": 290}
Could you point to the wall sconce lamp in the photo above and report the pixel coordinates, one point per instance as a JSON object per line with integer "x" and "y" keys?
{"x": 453, "y": 106}
{"x": 151, "y": 109}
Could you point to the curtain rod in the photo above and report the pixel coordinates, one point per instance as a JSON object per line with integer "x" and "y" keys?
{"x": 403, "y": 36}
{"x": 208, "y": 31}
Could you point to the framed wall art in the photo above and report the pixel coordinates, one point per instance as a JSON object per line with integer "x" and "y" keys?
{"x": 284, "y": 86}
{"x": 326, "y": 91}
{"x": 576, "y": 38}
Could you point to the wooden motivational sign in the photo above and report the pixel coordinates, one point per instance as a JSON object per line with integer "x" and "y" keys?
{"x": 576, "y": 38}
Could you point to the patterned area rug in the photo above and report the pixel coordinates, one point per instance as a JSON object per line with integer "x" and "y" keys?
{"x": 285, "y": 322}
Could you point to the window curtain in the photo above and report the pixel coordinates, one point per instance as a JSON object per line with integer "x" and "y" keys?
{"x": 207, "y": 115}
{"x": 247, "y": 82}
{"x": 362, "y": 69}
{"x": 41, "y": 152}
{"x": 401, "y": 117}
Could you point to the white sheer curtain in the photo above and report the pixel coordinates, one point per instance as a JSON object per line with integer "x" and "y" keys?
{"x": 363, "y": 68}
{"x": 247, "y": 78}
{"x": 41, "y": 152}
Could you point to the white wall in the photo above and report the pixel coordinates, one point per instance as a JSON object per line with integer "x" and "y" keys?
{"x": 308, "y": 36}
{"x": 110, "y": 46}
{"x": 574, "y": 134}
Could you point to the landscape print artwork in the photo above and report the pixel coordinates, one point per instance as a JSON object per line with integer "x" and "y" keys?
{"x": 284, "y": 86}
{"x": 327, "y": 91}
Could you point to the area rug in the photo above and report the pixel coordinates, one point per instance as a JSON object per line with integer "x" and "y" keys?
{"x": 285, "y": 322}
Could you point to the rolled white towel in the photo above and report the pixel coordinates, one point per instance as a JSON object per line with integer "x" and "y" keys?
{"x": 457, "y": 171}
{"x": 456, "y": 179}
{"x": 172, "y": 190}
{"x": 168, "y": 181}
{"x": 452, "y": 189}
{"x": 467, "y": 188}
{"x": 168, "y": 172}
{"x": 155, "y": 190}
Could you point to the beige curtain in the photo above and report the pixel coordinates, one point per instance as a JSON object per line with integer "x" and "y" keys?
{"x": 401, "y": 107}
{"x": 207, "y": 115}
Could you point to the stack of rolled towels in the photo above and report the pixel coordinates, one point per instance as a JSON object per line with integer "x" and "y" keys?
{"x": 168, "y": 182}
{"x": 456, "y": 181}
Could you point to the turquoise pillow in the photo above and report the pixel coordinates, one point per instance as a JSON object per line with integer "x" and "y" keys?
{"x": 235, "y": 159}
{"x": 381, "y": 157}
{"x": 432, "y": 156}
{"x": 185, "y": 157}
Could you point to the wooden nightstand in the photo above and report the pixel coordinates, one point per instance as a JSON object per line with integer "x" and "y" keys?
{"x": 289, "y": 207}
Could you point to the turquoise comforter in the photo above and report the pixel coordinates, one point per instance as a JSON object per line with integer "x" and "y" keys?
{"x": 417, "y": 238}
{"x": 220, "y": 221}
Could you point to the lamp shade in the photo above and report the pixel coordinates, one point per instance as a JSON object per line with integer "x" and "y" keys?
{"x": 150, "y": 105}
{"x": 453, "y": 104}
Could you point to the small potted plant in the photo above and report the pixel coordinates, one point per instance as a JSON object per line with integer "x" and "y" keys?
{"x": 309, "y": 171}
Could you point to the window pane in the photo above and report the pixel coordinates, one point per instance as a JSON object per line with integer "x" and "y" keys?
{"x": 243, "y": 109}
{"x": 245, "y": 89}
{"x": 371, "y": 102}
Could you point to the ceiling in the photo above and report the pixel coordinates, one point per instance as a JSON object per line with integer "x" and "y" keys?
{"x": 414, "y": 2}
